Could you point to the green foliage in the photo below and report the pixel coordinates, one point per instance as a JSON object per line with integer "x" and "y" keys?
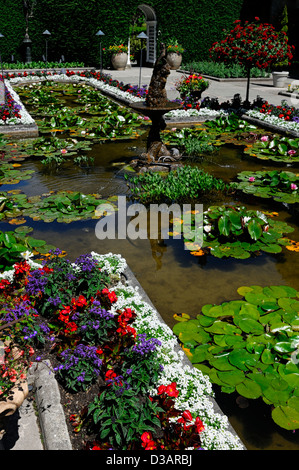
{"x": 228, "y": 123}
{"x": 184, "y": 184}
{"x": 234, "y": 231}
{"x": 123, "y": 421}
{"x": 63, "y": 206}
{"x": 41, "y": 65}
{"x": 281, "y": 186}
{"x": 277, "y": 149}
{"x": 221, "y": 70}
{"x": 250, "y": 346}
{"x": 73, "y": 26}
{"x": 10, "y": 175}
{"x": 98, "y": 118}
{"x": 13, "y": 243}
{"x": 192, "y": 142}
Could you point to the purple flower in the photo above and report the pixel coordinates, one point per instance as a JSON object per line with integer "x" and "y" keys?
{"x": 86, "y": 262}
{"x": 37, "y": 282}
{"x": 145, "y": 346}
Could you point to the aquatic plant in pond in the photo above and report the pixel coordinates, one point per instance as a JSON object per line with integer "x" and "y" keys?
{"x": 275, "y": 148}
{"x": 13, "y": 244}
{"x": 182, "y": 185}
{"x": 250, "y": 346}
{"x": 98, "y": 118}
{"x": 228, "y": 123}
{"x": 52, "y": 145}
{"x": 9, "y": 174}
{"x": 281, "y": 186}
{"x": 63, "y": 206}
{"x": 235, "y": 231}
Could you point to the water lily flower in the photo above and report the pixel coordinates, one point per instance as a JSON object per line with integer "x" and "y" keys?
{"x": 207, "y": 228}
{"x": 292, "y": 152}
{"x": 294, "y": 187}
{"x": 63, "y": 151}
{"x": 251, "y": 179}
{"x": 264, "y": 138}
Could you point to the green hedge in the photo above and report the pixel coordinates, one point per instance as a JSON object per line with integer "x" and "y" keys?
{"x": 73, "y": 25}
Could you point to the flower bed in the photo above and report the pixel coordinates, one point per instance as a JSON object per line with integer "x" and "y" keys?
{"x": 105, "y": 325}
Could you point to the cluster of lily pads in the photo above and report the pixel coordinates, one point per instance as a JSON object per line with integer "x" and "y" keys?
{"x": 14, "y": 244}
{"x": 237, "y": 232}
{"x": 250, "y": 346}
{"x": 79, "y": 110}
{"x": 61, "y": 206}
{"x": 281, "y": 186}
{"x": 275, "y": 148}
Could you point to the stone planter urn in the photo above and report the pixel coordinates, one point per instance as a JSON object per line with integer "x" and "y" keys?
{"x": 279, "y": 79}
{"x": 119, "y": 60}
{"x": 174, "y": 59}
{"x": 17, "y": 395}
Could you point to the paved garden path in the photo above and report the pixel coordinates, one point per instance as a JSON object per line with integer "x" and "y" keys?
{"x": 224, "y": 90}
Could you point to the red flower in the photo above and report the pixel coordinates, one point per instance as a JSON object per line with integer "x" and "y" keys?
{"x": 4, "y": 283}
{"x": 199, "y": 425}
{"x": 170, "y": 390}
{"x": 187, "y": 415}
{"x": 147, "y": 441}
{"x": 110, "y": 375}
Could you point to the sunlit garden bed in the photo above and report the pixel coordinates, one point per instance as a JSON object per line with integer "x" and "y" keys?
{"x": 100, "y": 334}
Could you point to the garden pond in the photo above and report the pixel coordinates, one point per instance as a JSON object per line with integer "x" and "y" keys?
{"x": 85, "y": 147}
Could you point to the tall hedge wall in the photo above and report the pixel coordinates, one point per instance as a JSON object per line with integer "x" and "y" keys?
{"x": 73, "y": 24}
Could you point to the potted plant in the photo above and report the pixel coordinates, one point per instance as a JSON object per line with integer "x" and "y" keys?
{"x": 280, "y": 74}
{"x": 192, "y": 86}
{"x": 119, "y": 56}
{"x": 253, "y": 44}
{"x": 174, "y": 54}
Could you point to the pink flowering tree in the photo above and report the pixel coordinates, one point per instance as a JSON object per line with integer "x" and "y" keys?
{"x": 253, "y": 44}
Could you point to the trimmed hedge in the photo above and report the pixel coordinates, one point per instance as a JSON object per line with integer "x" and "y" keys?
{"x": 73, "y": 25}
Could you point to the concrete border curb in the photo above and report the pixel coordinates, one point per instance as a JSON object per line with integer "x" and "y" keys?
{"x": 20, "y": 131}
{"x": 50, "y": 412}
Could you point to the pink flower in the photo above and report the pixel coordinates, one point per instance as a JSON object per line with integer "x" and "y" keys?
{"x": 292, "y": 152}
{"x": 264, "y": 138}
{"x": 294, "y": 187}
{"x": 251, "y": 179}
{"x": 63, "y": 151}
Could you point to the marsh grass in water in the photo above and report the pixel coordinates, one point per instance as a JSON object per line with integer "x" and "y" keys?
{"x": 185, "y": 184}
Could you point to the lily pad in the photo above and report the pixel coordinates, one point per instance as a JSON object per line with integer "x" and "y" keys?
{"x": 252, "y": 346}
